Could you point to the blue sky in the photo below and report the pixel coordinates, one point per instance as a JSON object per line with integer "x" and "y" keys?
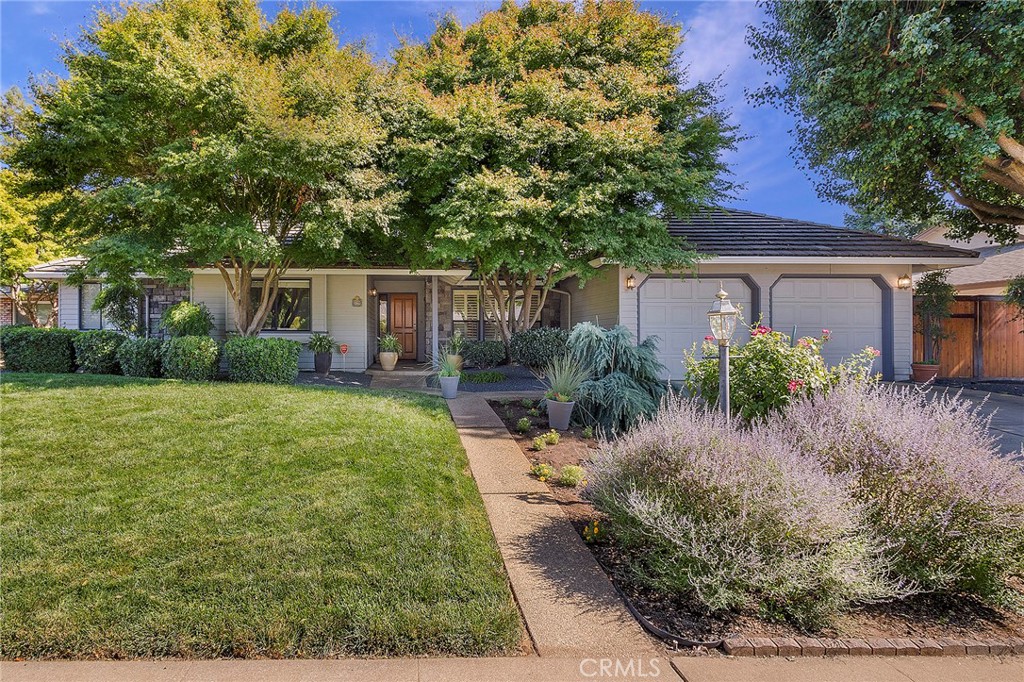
{"x": 31, "y": 33}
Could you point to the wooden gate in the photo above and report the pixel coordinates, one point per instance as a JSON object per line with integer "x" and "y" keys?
{"x": 985, "y": 341}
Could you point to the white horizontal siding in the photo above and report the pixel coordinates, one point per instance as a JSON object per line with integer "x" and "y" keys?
{"x": 596, "y": 301}
{"x": 67, "y": 306}
{"x": 347, "y": 323}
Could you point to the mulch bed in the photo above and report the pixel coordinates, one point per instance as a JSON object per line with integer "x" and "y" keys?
{"x": 921, "y": 616}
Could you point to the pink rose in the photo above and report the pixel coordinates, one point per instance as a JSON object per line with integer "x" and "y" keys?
{"x": 874, "y": 351}
{"x": 795, "y": 385}
{"x": 709, "y": 338}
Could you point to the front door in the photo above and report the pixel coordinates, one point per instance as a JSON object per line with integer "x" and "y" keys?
{"x": 403, "y": 323}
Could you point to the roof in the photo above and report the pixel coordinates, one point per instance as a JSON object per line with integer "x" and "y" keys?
{"x": 734, "y": 233}
{"x": 1000, "y": 264}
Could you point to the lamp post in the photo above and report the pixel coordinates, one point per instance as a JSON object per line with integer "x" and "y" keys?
{"x": 722, "y": 318}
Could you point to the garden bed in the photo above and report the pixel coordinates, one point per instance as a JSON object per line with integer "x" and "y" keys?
{"x": 921, "y": 616}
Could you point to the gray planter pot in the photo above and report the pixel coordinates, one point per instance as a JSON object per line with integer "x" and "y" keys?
{"x": 322, "y": 363}
{"x": 559, "y": 414}
{"x": 449, "y": 387}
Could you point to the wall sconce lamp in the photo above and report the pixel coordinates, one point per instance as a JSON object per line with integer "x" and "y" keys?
{"x": 904, "y": 282}
{"x": 372, "y": 292}
{"x": 631, "y": 283}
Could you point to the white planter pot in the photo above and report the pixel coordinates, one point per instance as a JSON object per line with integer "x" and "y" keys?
{"x": 388, "y": 361}
{"x": 449, "y": 387}
{"x": 559, "y": 414}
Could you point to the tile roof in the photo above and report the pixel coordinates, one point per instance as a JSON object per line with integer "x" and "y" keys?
{"x": 1000, "y": 264}
{"x": 732, "y": 232}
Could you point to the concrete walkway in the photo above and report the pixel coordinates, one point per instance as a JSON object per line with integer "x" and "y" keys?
{"x": 570, "y": 606}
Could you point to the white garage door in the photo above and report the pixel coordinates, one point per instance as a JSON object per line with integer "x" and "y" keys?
{"x": 851, "y": 309}
{"x": 676, "y": 311}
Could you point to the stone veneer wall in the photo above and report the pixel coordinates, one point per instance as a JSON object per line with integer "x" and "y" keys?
{"x": 444, "y": 313}
{"x": 6, "y": 312}
{"x": 161, "y": 297}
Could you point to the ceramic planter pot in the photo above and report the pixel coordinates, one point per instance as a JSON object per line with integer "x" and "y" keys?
{"x": 322, "y": 363}
{"x": 921, "y": 372}
{"x": 449, "y": 387}
{"x": 456, "y": 360}
{"x": 388, "y": 360}
{"x": 559, "y": 414}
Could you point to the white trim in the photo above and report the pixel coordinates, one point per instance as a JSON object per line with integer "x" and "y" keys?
{"x": 839, "y": 260}
{"x": 433, "y": 320}
{"x": 395, "y": 272}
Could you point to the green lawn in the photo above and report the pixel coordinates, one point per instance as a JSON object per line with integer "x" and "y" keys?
{"x": 158, "y": 518}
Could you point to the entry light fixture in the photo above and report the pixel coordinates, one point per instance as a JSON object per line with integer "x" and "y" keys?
{"x": 631, "y": 283}
{"x": 372, "y": 292}
{"x": 904, "y": 282}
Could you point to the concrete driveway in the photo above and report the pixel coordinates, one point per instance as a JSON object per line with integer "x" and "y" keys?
{"x": 1007, "y": 412}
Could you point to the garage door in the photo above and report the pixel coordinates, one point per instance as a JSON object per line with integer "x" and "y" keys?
{"x": 676, "y": 311}
{"x": 851, "y": 309}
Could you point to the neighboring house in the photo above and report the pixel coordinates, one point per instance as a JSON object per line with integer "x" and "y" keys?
{"x": 9, "y": 313}
{"x": 794, "y": 275}
{"x": 986, "y": 340}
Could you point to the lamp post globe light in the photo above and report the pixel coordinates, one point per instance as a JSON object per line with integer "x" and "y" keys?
{"x": 722, "y": 318}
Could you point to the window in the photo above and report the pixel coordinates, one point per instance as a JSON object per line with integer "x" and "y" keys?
{"x": 87, "y": 317}
{"x": 291, "y": 308}
{"x": 466, "y": 313}
{"x": 491, "y": 332}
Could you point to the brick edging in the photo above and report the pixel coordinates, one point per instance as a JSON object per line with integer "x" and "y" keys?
{"x": 813, "y": 646}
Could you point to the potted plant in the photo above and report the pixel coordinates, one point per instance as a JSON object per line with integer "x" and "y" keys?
{"x": 390, "y": 348}
{"x": 448, "y": 374}
{"x": 322, "y": 347}
{"x": 933, "y": 304}
{"x": 564, "y": 377}
{"x": 454, "y": 349}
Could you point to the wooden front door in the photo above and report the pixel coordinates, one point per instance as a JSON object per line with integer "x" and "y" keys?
{"x": 403, "y": 323}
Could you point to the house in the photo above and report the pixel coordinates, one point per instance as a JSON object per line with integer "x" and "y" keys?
{"x": 986, "y": 339}
{"x": 797, "y": 276}
{"x": 10, "y": 314}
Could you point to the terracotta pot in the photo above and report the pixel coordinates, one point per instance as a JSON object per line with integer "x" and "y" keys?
{"x": 449, "y": 387}
{"x": 322, "y": 363}
{"x": 388, "y": 360}
{"x": 921, "y": 372}
{"x": 559, "y": 414}
{"x": 456, "y": 360}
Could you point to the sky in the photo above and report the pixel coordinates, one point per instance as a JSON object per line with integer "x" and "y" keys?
{"x": 31, "y": 32}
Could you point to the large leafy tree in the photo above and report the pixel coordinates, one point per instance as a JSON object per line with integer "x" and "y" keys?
{"x": 548, "y": 135}
{"x": 911, "y": 109}
{"x": 194, "y": 132}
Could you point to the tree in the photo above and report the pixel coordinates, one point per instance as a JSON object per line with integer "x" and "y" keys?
{"x": 195, "y": 132}
{"x": 914, "y": 109}
{"x": 24, "y": 242}
{"x": 933, "y": 305}
{"x": 879, "y": 223}
{"x": 546, "y": 136}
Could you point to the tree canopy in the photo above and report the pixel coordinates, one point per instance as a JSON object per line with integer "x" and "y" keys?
{"x": 197, "y": 132}
{"x": 913, "y": 110}
{"x": 547, "y": 135}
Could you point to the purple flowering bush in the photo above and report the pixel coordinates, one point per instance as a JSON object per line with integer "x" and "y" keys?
{"x": 734, "y": 520}
{"x": 928, "y": 477}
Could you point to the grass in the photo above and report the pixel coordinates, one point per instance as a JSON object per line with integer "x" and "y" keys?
{"x": 158, "y": 518}
{"x": 484, "y": 377}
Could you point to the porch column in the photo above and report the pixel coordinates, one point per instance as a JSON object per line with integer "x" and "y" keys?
{"x": 433, "y": 320}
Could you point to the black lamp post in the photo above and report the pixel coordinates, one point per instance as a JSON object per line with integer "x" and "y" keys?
{"x": 722, "y": 318}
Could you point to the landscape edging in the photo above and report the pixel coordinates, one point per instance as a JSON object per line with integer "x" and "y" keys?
{"x": 879, "y": 646}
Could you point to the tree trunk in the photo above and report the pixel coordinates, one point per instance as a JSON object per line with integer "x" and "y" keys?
{"x": 250, "y": 315}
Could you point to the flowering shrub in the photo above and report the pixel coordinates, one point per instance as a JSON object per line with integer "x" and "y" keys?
{"x": 542, "y": 471}
{"x": 572, "y": 476}
{"x": 769, "y": 371}
{"x": 593, "y": 532}
{"x": 929, "y": 478}
{"x": 733, "y": 521}
{"x": 539, "y": 443}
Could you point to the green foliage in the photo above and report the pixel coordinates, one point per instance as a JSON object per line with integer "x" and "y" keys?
{"x": 572, "y": 476}
{"x": 523, "y": 425}
{"x": 933, "y": 304}
{"x": 537, "y": 347}
{"x": 587, "y": 432}
{"x": 139, "y": 357}
{"x": 526, "y": 402}
{"x": 262, "y": 360}
{"x": 911, "y": 110}
{"x": 24, "y": 239}
{"x": 202, "y": 132}
{"x": 96, "y": 351}
{"x": 484, "y": 354}
{"x": 119, "y": 302}
{"x": 456, "y": 344}
{"x": 770, "y": 371}
{"x": 552, "y": 437}
{"x": 446, "y": 367}
{"x": 545, "y": 137}
{"x": 190, "y": 358}
{"x": 542, "y": 470}
{"x": 33, "y": 349}
{"x": 389, "y": 343}
{"x": 1015, "y": 296}
{"x": 565, "y": 375}
{"x": 623, "y": 384}
{"x": 488, "y": 377}
{"x": 187, "y": 319}
{"x": 321, "y": 343}
{"x": 539, "y": 443}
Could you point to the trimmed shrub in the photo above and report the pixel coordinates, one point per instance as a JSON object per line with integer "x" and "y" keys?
{"x": 769, "y": 371}
{"x": 139, "y": 357}
{"x": 191, "y": 358}
{"x": 32, "y": 349}
{"x": 623, "y": 384}
{"x": 187, "y": 319}
{"x": 710, "y": 513}
{"x": 536, "y": 348}
{"x": 484, "y": 354}
{"x": 486, "y": 377}
{"x": 268, "y": 361}
{"x": 96, "y": 351}
{"x": 930, "y": 478}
